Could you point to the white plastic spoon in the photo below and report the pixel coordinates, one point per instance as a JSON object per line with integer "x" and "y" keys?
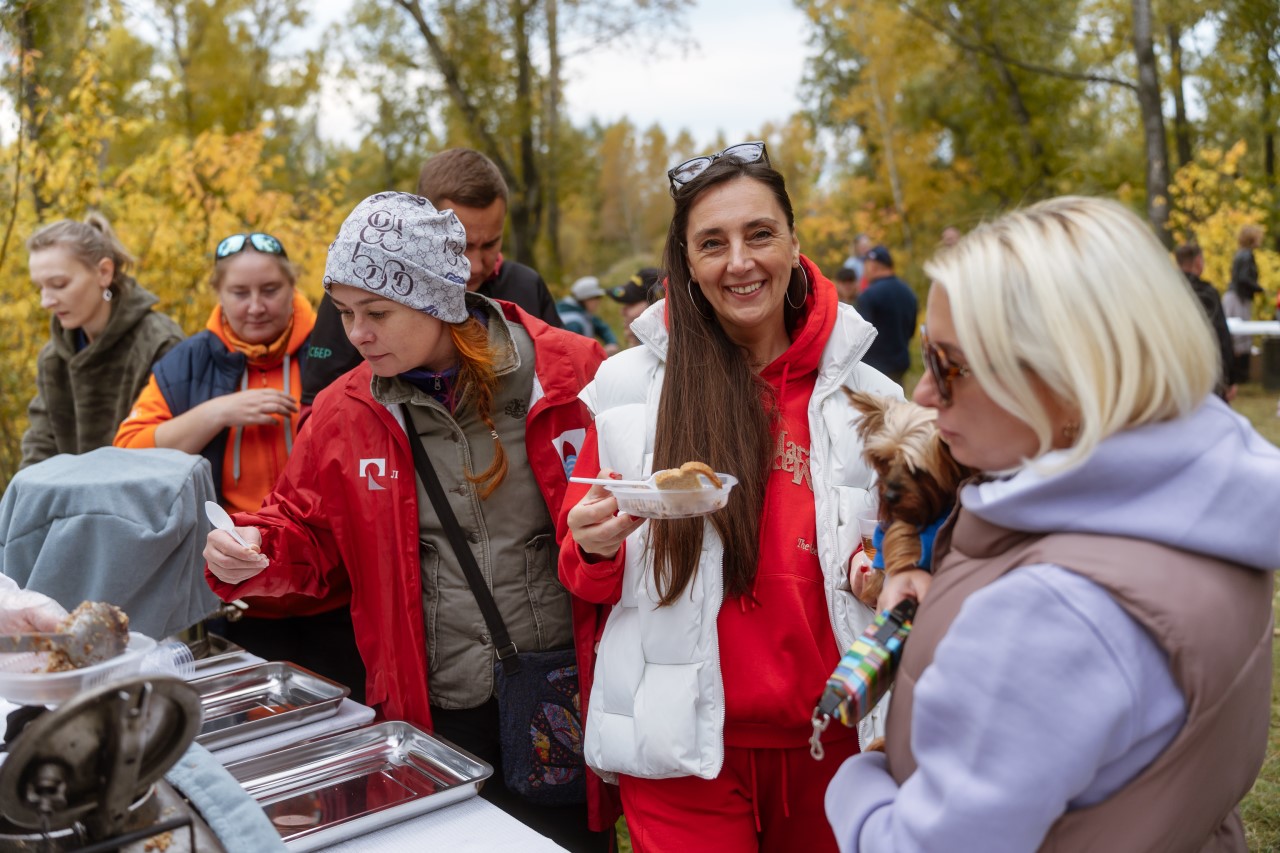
{"x": 219, "y": 518}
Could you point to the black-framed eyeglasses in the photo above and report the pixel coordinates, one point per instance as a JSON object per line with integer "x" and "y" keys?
{"x": 747, "y": 152}
{"x": 940, "y": 368}
{"x": 264, "y": 243}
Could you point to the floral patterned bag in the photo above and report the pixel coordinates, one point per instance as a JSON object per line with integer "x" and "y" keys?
{"x": 540, "y": 717}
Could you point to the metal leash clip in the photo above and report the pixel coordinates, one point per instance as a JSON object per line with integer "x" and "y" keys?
{"x": 820, "y": 722}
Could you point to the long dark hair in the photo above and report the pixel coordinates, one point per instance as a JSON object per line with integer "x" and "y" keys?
{"x": 714, "y": 408}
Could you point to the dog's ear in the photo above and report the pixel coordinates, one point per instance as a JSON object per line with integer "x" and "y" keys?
{"x": 872, "y": 409}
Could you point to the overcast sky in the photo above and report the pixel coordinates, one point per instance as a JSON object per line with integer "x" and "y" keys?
{"x": 742, "y": 71}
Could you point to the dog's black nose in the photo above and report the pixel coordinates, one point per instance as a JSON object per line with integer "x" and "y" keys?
{"x": 892, "y": 495}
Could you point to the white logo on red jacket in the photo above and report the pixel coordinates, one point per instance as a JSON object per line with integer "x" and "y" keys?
{"x": 365, "y": 465}
{"x": 567, "y": 445}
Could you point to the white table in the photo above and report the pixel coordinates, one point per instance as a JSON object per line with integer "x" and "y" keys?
{"x": 1266, "y": 328}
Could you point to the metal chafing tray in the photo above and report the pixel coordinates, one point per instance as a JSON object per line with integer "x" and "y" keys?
{"x": 337, "y": 787}
{"x": 214, "y": 652}
{"x": 263, "y": 699}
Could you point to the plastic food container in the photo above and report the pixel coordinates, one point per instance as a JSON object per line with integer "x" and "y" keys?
{"x": 646, "y": 501}
{"x": 22, "y": 683}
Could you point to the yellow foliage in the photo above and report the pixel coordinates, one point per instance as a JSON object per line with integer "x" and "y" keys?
{"x": 170, "y": 207}
{"x": 1212, "y": 200}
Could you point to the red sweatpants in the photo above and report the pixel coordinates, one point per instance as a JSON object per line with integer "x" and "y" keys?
{"x": 766, "y": 800}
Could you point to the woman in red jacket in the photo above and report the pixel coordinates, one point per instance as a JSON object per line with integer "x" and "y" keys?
{"x": 491, "y": 394}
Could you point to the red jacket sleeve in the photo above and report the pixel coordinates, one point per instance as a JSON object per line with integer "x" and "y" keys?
{"x": 296, "y": 535}
{"x": 600, "y": 581}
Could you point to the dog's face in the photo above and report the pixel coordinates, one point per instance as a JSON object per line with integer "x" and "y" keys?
{"x": 916, "y": 475}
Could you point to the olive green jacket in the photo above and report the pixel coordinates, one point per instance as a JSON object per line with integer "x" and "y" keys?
{"x": 81, "y": 397}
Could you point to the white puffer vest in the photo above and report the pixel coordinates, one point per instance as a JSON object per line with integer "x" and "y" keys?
{"x": 657, "y": 703}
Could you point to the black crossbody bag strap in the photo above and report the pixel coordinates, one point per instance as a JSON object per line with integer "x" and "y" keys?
{"x": 507, "y": 651}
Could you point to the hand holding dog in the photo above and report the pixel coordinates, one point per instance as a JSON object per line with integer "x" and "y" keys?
{"x": 911, "y": 583}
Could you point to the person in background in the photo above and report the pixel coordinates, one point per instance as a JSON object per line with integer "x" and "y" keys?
{"x": 723, "y": 629}
{"x": 846, "y": 282}
{"x": 950, "y": 235}
{"x": 491, "y": 394}
{"x": 1237, "y": 300}
{"x": 469, "y": 184}
{"x": 103, "y": 338}
{"x": 889, "y": 305}
{"x": 1191, "y": 261}
{"x": 1090, "y": 664}
{"x": 857, "y": 252}
{"x": 230, "y": 394}
{"x": 578, "y": 313}
{"x": 1244, "y": 266}
{"x": 636, "y": 295}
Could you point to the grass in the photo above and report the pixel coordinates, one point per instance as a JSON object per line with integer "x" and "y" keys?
{"x": 1261, "y": 808}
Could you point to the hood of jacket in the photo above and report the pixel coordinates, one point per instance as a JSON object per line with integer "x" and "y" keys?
{"x": 1205, "y": 483}
{"x": 304, "y": 319}
{"x": 127, "y": 310}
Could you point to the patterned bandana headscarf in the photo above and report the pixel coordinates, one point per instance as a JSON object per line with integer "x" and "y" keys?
{"x": 398, "y": 246}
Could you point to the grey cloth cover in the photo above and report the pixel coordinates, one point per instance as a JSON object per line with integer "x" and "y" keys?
{"x": 234, "y": 816}
{"x": 123, "y": 526}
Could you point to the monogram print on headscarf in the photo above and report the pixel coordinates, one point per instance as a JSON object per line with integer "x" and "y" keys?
{"x": 382, "y": 229}
{"x": 400, "y": 247}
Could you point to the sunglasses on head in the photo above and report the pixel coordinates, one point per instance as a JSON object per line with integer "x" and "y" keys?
{"x": 264, "y": 243}
{"x": 746, "y": 152}
{"x": 940, "y": 368}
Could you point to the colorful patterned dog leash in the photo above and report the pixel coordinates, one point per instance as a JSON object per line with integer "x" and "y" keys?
{"x": 864, "y": 673}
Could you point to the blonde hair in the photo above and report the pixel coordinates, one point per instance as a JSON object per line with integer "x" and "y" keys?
{"x": 1077, "y": 297}
{"x": 1250, "y": 236}
{"x": 88, "y": 242}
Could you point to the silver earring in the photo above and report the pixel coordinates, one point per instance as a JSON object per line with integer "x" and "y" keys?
{"x": 688, "y": 286}
{"x": 786, "y": 294}
{"x": 106, "y": 295}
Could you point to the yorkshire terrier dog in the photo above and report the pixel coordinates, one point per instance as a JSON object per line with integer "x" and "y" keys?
{"x": 916, "y": 478}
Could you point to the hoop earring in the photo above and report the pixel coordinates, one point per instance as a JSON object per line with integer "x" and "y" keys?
{"x": 688, "y": 286}
{"x": 786, "y": 294}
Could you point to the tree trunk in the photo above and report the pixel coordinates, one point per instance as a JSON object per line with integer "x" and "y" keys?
{"x": 29, "y": 98}
{"x": 1181, "y": 128}
{"x": 886, "y": 133}
{"x": 1152, "y": 122}
{"x": 552, "y": 182}
{"x": 526, "y": 208}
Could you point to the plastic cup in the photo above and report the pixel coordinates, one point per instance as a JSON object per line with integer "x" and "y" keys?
{"x": 867, "y": 522}
{"x": 171, "y": 658}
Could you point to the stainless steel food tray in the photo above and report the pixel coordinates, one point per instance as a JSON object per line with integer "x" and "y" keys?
{"x": 214, "y": 652}
{"x": 263, "y": 699}
{"x": 334, "y": 788}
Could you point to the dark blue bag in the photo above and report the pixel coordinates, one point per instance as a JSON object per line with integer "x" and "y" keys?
{"x": 540, "y": 717}
{"x": 539, "y": 700}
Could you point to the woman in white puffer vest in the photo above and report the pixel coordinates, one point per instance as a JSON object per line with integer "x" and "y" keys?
{"x": 725, "y": 628}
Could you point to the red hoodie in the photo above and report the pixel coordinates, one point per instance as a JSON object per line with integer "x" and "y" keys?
{"x": 777, "y": 646}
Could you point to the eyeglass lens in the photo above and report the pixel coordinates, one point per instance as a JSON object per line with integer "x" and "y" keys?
{"x": 264, "y": 243}
{"x": 747, "y": 152}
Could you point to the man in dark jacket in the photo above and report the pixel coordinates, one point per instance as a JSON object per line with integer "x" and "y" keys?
{"x": 1191, "y": 262}
{"x": 891, "y": 306}
{"x": 468, "y": 183}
